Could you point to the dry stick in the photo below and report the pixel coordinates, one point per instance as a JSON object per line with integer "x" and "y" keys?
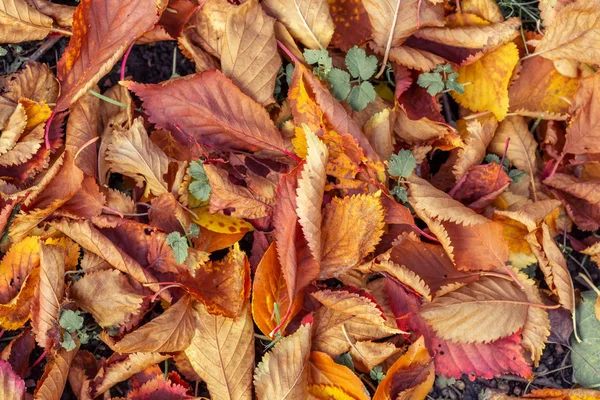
{"x": 47, "y": 45}
{"x": 389, "y": 42}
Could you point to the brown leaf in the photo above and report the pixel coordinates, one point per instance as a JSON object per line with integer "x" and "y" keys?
{"x": 311, "y": 186}
{"x": 584, "y": 131}
{"x": 222, "y": 353}
{"x": 18, "y": 351}
{"x": 82, "y": 127}
{"x": 132, "y": 153}
{"x": 572, "y": 35}
{"x": 52, "y": 384}
{"x": 408, "y": 16}
{"x": 226, "y": 195}
{"x": 215, "y": 112}
{"x": 45, "y": 309}
{"x": 102, "y": 32}
{"x": 352, "y": 24}
{"x": 537, "y": 323}
{"x": 92, "y": 240}
{"x": 283, "y": 371}
{"x": 169, "y": 332}
{"x": 108, "y": 296}
{"x": 308, "y": 22}
{"x": 522, "y": 148}
{"x": 463, "y": 315}
{"x": 480, "y": 134}
{"x": 367, "y": 355}
{"x": 119, "y": 368}
{"x": 207, "y": 26}
{"x": 486, "y": 9}
{"x": 554, "y": 266}
{"x": 249, "y": 57}
{"x": 540, "y": 88}
{"x": 22, "y": 23}
{"x": 347, "y": 317}
{"x": 351, "y": 228}
{"x": 15, "y": 126}
{"x": 61, "y": 13}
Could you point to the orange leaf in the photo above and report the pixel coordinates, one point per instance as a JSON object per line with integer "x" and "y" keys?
{"x": 208, "y": 116}
{"x": 412, "y": 375}
{"x": 102, "y": 32}
{"x": 324, "y": 371}
{"x": 269, "y": 288}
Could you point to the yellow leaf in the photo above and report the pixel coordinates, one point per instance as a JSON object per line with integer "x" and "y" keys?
{"x": 37, "y": 112}
{"x": 351, "y": 228}
{"x": 220, "y": 223}
{"x": 325, "y": 375}
{"x": 327, "y": 392}
{"x": 488, "y": 77}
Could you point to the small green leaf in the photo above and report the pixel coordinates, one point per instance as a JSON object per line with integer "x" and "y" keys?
{"x": 359, "y": 65}
{"x": 179, "y": 245}
{"x": 3, "y": 52}
{"x": 70, "y": 320}
{"x": 441, "y": 381}
{"x": 84, "y": 337}
{"x": 194, "y": 230}
{"x": 68, "y": 343}
{"x": 289, "y": 72}
{"x": 400, "y": 193}
{"x": 516, "y": 175}
{"x": 402, "y": 164}
{"x": 316, "y": 56}
{"x": 447, "y": 68}
{"x": 197, "y": 171}
{"x": 432, "y": 81}
{"x": 490, "y": 158}
{"x": 377, "y": 374}
{"x": 361, "y": 95}
{"x": 340, "y": 83}
{"x": 585, "y": 356}
{"x": 200, "y": 190}
{"x": 345, "y": 359}
{"x": 453, "y": 85}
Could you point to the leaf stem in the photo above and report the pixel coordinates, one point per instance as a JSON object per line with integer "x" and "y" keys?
{"x": 124, "y": 61}
{"x": 107, "y": 99}
{"x": 388, "y": 47}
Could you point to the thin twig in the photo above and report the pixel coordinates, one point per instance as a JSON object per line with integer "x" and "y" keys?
{"x": 388, "y": 47}
{"x": 47, "y": 45}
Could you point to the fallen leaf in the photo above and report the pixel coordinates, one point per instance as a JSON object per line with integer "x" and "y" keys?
{"x": 12, "y": 386}
{"x": 490, "y": 74}
{"x": 461, "y": 315}
{"x": 100, "y": 38}
{"x": 410, "y": 377}
{"x": 52, "y": 384}
{"x": 20, "y": 22}
{"x": 324, "y": 371}
{"x": 351, "y": 228}
{"x": 572, "y": 33}
{"x": 209, "y": 116}
{"x": 249, "y": 56}
{"x": 583, "y": 131}
{"x": 283, "y": 371}
{"x": 269, "y": 288}
{"x": 222, "y": 353}
{"x": 108, "y": 296}
{"x": 308, "y": 22}
{"x": 169, "y": 332}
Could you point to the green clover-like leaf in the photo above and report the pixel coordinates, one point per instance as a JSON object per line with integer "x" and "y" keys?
{"x": 361, "y": 95}
{"x": 402, "y": 164}
{"x": 432, "y": 81}
{"x": 197, "y": 171}
{"x": 179, "y": 245}
{"x": 400, "y": 193}
{"x": 359, "y": 65}
{"x": 68, "y": 343}
{"x": 200, "y": 190}
{"x": 340, "y": 83}
{"x": 70, "y": 320}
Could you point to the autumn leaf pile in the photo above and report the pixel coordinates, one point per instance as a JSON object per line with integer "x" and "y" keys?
{"x": 346, "y": 201}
